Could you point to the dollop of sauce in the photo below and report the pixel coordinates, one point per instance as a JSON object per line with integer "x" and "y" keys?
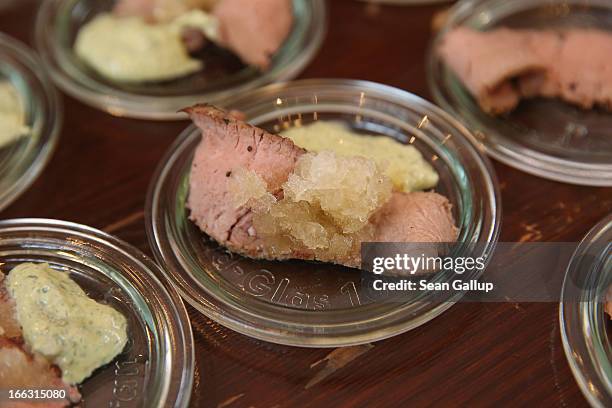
{"x": 403, "y": 164}
{"x": 128, "y": 49}
{"x": 62, "y": 323}
{"x": 12, "y": 115}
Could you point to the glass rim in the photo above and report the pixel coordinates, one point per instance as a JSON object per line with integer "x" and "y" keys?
{"x": 579, "y": 328}
{"x": 524, "y": 159}
{"x": 165, "y": 302}
{"x": 125, "y": 104}
{"x": 36, "y": 156}
{"x": 268, "y": 327}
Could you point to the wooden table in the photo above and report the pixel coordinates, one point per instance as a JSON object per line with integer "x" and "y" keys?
{"x": 474, "y": 354}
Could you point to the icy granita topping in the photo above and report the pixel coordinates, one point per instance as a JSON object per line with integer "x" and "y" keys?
{"x": 326, "y": 204}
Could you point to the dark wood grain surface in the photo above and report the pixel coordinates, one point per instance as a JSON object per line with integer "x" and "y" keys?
{"x": 472, "y": 355}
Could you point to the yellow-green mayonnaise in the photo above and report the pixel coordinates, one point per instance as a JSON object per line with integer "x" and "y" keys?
{"x": 60, "y": 322}
{"x": 12, "y": 115}
{"x": 403, "y": 164}
{"x": 129, "y": 49}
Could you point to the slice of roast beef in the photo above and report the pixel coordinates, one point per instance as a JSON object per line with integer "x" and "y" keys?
{"x": 228, "y": 144}
{"x": 487, "y": 63}
{"x": 585, "y": 68}
{"x": 501, "y": 66}
{"x": 415, "y": 217}
{"x": 254, "y": 29}
{"x": 547, "y": 45}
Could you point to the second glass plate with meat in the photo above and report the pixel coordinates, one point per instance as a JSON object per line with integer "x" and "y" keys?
{"x": 222, "y": 75}
{"x": 309, "y": 303}
{"x": 542, "y": 135}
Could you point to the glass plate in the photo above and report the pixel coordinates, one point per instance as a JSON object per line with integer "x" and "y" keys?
{"x": 547, "y": 138}
{"x": 23, "y": 160}
{"x": 586, "y": 330}
{"x": 156, "y": 367}
{"x": 57, "y": 25}
{"x": 316, "y": 304}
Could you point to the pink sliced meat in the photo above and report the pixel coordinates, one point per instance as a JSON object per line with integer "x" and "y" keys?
{"x": 254, "y": 29}
{"x": 416, "y": 217}
{"x": 501, "y": 66}
{"x": 228, "y": 144}
{"x": 486, "y": 62}
{"x": 585, "y": 68}
{"x": 547, "y": 45}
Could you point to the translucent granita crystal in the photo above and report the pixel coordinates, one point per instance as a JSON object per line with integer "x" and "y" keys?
{"x": 324, "y": 207}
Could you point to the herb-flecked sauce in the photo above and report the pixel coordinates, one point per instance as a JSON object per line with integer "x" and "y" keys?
{"x": 62, "y": 323}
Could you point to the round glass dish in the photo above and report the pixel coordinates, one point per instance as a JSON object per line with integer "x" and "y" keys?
{"x": 59, "y": 21}
{"x": 547, "y": 138}
{"x": 22, "y": 160}
{"x": 316, "y": 304}
{"x": 586, "y": 331}
{"x": 156, "y": 367}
